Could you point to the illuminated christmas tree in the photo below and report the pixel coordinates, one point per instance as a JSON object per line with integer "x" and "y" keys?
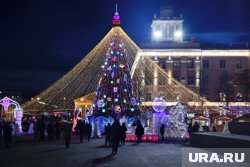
{"x": 115, "y": 95}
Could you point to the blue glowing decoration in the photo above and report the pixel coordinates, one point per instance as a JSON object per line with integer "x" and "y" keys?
{"x": 132, "y": 109}
{"x": 116, "y": 99}
{"x": 100, "y": 103}
{"x": 104, "y": 96}
{"x": 103, "y": 110}
{"x": 133, "y": 101}
{"x": 115, "y": 89}
{"x": 112, "y": 74}
{"x": 125, "y": 90}
{"x": 125, "y": 77}
{"x": 159, "y": 104}
{"x": 111, "y": 82}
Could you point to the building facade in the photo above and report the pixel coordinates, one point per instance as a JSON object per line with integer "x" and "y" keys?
{"x": 217, "y": 73}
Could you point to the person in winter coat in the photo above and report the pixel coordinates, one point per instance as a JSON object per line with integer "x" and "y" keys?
{"x": 89, "y": 131}
{"x": 67, "y": 133}
{"x": 41, "y": 128}
{"x": 1, "y": 129}
{"x": 162, "y": 131}
{"x": 196, "y": 127}
{"x": 35, "y": 130}
{"x": 7, "y": 134}
{"x": 115, "y": 136}
{"x": 50, "y": 131}
{"x": 57, "y": 129}
{"x": 139, "y": 131}
{"x": 80, "y": 129}
{"x": 107, "y": 132}
{"x": 123, "y": 133}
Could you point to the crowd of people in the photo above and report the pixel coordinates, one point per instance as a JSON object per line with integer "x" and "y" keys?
{"x": 116, "y": 134}
{"x": 53, "y": 129}
{"x": 82, "y": 129}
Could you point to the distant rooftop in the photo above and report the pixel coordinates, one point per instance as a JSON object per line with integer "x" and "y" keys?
{"x": 170, "y": 45}
{"x": 225, "y": 45}
{"x": 193, "y": 45}
{"x": 168, "y": 13}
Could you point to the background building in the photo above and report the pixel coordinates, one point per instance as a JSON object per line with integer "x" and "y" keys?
{"x": 218, "y": 72}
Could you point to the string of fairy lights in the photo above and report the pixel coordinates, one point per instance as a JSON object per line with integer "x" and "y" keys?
{"x": 152, "y": 78}
{"x": 83, "y": 79}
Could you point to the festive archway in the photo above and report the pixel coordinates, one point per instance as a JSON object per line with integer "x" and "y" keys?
{"x": 18, "y": 111}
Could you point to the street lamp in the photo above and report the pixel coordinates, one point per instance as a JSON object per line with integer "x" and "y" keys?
{"x": 178, "y": 34}
{"x": 157, "y": 34}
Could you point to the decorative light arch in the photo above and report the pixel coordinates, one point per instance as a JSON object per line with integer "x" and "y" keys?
{"x": 7, "y": 102}
{"x": 18, "y": 111}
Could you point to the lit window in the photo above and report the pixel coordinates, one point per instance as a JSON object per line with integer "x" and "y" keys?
{"x": 222, "y": 97}
{"x": 239, "y": 96}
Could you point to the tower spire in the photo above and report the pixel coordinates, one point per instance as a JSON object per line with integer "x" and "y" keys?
{"x": 116, "y": 10}
{"x": 116, "y": 17}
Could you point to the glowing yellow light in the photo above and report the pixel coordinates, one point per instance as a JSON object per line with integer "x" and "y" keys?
{"x": 121, "y": 65}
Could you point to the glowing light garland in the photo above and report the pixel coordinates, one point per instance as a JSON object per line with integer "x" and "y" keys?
{"x": 82, "y": 79}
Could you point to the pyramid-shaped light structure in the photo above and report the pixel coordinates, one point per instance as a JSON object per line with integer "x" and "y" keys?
{"x": 82, "y": 79}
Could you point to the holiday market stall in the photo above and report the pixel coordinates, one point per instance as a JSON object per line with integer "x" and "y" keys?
{"x": 220, "y": 122}
{"x": 83, "y": 108}
{"x": 203, "y": 121}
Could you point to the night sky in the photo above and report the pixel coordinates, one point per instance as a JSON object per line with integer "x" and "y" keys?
{"x": 41, "y": 40}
